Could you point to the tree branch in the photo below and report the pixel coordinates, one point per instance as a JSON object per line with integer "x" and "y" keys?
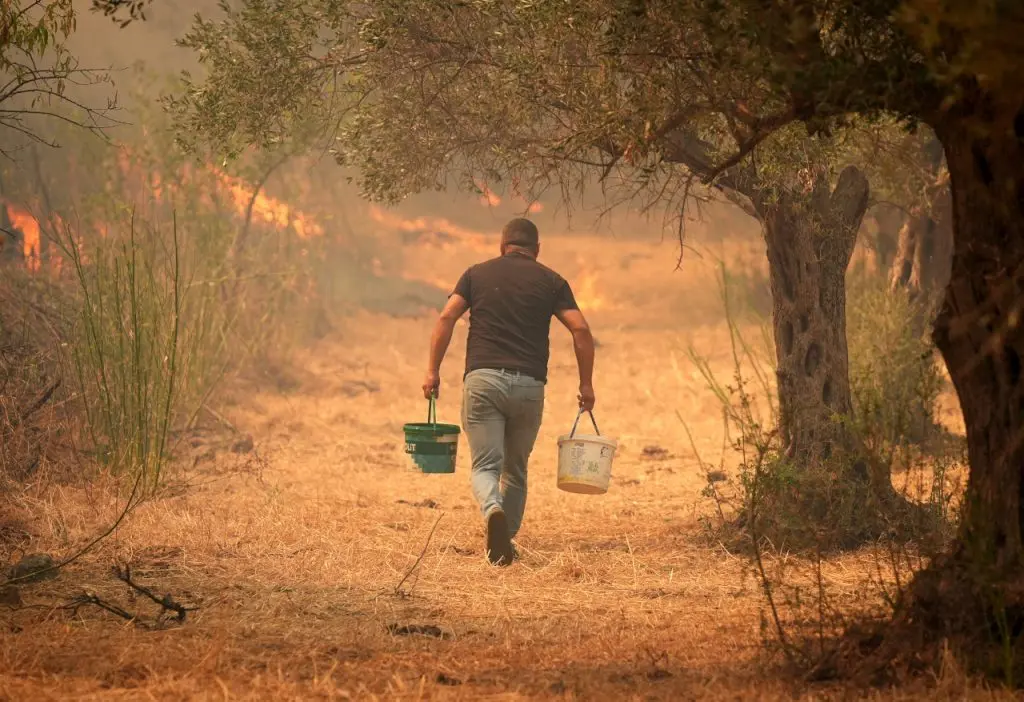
{"x": 167, "y": 603}
{"x": 849, "y": 199}
{"x": 763, "y": 129}
{"x": 740, "y": 200}
{"x": 686, "y": 148}
{"x": 35, "y": 406}
{"x": 398, "y": 587}
{"x": 847, "y": 205}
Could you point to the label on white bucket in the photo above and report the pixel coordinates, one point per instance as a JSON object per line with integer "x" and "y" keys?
{"x": 585, "y": 461}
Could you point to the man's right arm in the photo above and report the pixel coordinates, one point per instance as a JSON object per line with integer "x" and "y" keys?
{"x": 583, "y": 344}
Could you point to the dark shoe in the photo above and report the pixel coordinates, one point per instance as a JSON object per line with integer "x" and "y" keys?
{"x": 499, "y": 546}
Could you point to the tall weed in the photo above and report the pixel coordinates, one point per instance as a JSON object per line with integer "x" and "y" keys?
{"x": 130, "y": 348}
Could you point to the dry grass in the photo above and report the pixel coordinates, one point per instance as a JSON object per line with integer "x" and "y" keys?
{"x": 294, "y": 559}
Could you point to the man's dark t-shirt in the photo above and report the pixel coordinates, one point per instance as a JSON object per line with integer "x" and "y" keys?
{"x": 511, "y": 301}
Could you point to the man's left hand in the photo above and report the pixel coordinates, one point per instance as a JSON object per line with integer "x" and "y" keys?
{"x": 586, "y": 397}
{"x": 431, "y": 385}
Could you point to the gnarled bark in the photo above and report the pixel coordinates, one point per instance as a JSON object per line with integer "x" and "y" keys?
{"x": 979, "y": 331}
{"x": 921, "y": 266}
{"x": 810, "y": 241}
{"x": 973, "y": 596}
{"x": 923, "y": 255}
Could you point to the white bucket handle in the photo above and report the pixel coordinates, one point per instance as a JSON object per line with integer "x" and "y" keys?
{"x": 592, "y": 421}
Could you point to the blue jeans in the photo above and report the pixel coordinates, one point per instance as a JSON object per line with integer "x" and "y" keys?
{"x": 501, "y": 414}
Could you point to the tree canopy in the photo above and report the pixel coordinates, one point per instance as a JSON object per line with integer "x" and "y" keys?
{"x": 542, "y": 91}
{"x": 638, "y": 70}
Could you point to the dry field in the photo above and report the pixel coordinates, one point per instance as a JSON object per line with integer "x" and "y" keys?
{"x": 300, "y": 556}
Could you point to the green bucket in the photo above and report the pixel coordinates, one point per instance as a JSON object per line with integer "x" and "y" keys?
{"x": 432, "y": 446}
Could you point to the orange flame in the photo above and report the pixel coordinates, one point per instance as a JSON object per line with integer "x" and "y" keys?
{"x": 267, "y": 208}
{"x": 586, "y": 292}
{"x": 242, "y": 195}
{"x": 29, "y": 227}
{"x": 488, "y": 197}
{"x": 467, "y": 237}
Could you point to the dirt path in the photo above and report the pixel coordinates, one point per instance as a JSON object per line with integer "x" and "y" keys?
{"x": 295, "y": 559}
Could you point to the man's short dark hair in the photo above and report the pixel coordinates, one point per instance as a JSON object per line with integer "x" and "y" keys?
{"x": 520, "y": 232}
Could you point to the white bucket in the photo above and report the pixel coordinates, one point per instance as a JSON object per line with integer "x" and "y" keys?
{"x": 585, "y": 461}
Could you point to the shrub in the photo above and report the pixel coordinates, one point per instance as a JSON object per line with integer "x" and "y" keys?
{"x": 894, "y": 378}
{"x": 32, "y": 421}
{"x": 171, "y": 282}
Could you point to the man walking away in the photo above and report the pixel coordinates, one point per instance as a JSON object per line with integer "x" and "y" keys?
{"x": 511, "y": 300}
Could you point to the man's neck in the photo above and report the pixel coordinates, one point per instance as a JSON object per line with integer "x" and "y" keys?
{"x": 516, "y": 251}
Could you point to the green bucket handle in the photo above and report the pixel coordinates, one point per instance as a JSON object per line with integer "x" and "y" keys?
{"x": 432, "y": 408}
{"x": 592, "y": 421}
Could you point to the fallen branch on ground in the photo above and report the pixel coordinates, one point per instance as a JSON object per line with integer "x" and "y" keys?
{"x": 167, "y": 604}
{"x": 398, "y": 587}
{"x": 88, "y": 598}
{"x": 221, "y": 418}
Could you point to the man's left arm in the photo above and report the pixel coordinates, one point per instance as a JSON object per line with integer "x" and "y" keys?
{"x": 439, "y": 340}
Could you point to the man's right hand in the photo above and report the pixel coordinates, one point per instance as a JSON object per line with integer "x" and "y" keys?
{"x": 586, "y": 398}
{"x": 431, "y": 385}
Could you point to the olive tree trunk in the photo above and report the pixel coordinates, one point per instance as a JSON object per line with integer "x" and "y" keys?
{"x": 924, "y": 253}
{"x": 979, "y": 333}
{"x": 810, "y": 241}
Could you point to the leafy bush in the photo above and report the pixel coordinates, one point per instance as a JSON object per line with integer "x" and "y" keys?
{"x": 894, "y": 378}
